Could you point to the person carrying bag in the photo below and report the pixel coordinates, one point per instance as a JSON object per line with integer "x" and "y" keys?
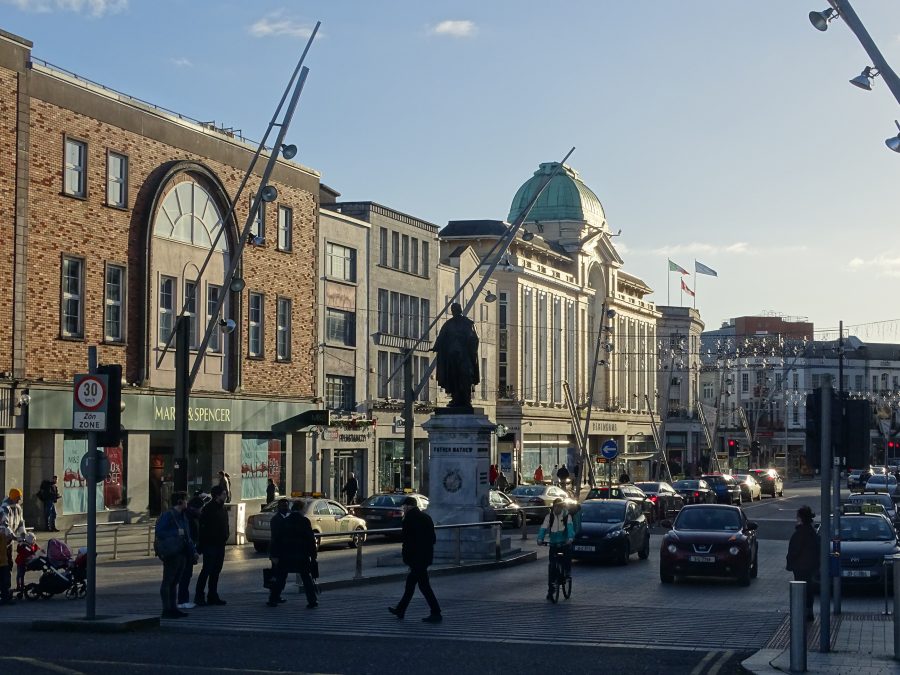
{"x": 174, "y": 547}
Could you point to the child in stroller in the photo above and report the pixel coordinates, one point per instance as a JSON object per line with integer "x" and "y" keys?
{"x": 60, "y": 572}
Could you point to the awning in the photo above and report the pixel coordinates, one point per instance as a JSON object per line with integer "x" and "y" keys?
{"x": 638, "y": 456}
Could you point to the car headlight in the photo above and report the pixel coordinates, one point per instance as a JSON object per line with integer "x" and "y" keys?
{"x": 615, "y": 533}
{"x": 672, "y": 548}
{"x": 734, "y": 550}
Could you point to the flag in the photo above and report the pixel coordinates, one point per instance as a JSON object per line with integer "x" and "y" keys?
{"x": 675, "y": 267}
{"x": 685, "y": 288}
{"x": 700, "y": 268}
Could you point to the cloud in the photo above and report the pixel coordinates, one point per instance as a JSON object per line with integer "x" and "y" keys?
{"x": 884, "y": 264}
{"x": 276, "y": 23}
{"x": 455, "y": 28}
{"x": 697, "y": 248}
{"x": 181, "y": 62}
{"x": 95, "y": 8}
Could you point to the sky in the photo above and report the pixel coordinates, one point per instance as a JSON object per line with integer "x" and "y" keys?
{"x": 725, "y": 132}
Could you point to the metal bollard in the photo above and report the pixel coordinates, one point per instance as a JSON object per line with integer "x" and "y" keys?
{"x": 798, "y": 626}
{"x": 497, "y": 542}
{"x": 358, "y": 574}
{"x": 116, "y": 543}
{"x": 458, "y": 547}
{"x": 897, "y": 607}
{"x": 886, "y": 564}
{"x": 524, "y": 525}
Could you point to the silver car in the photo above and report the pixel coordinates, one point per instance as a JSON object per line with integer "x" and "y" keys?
{"x": 882, "y": 483}
{"x": 325, "y": 515}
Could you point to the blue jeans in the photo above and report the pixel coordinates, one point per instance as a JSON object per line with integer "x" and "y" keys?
{"x": 50, "y": 515}
{"x": 184, "y": 581}
{"x": 172, "y": 569}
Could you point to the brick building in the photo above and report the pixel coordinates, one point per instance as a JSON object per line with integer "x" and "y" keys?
{"x": 111, "y": 206}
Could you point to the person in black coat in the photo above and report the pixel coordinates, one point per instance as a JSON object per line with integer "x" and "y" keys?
{"x": 192, "y": 513}
{"x": 418, "y": 554}
{"x": 292, "y": 549}
{"x": 213, "y": 538}
{"x": 803, "y": 553}
{"x": 270, "y": 491}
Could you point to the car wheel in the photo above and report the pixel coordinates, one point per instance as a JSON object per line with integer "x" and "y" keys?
{"x": 666, "y": 577}
{"x": 260, "y": 546}
{"x": 644, "y": 553}
{"x": 318, "y": 540}
{"x": 625, "y": 554}
{"x": 358, "y": 538}
{"x": 754, "y": 571}
{"x": 781, "y": 494}
{"x": 744, "y": 577}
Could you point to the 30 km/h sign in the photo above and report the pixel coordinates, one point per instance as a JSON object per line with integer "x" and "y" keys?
{"x": 90, "y": 401}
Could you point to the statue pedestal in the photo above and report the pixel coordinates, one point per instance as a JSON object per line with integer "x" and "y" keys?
{"x": 459, "y": 491}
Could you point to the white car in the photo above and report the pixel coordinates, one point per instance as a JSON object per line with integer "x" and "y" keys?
{"x": 325, "y": 515}
{"x": 882, "y": 483}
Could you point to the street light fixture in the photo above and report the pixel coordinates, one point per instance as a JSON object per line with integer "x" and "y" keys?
{"x": 237, "y": 284}
{"x": 227, "y": 325}
{"x": 289, "y": 151}
{"x": 269, "y": 193}
{"x": 866, "y": 78}
{"x": 820, "y": 20}
{"x": 894, "y": 142}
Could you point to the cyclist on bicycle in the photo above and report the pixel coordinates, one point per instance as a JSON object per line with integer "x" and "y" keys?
{"x": 559, "y": 527}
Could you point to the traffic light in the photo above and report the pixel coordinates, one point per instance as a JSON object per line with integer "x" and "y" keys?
{"x": 112, "y": 437}
{"x": 851, "y": 442}
{"x": 732, "y": 447}
{"x": 754, "y": 447}
{"x": 857, "y": 446}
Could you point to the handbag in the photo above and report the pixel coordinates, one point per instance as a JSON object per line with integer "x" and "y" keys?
{"x": 268, "y": 577}
{"x": 168, "y": 547}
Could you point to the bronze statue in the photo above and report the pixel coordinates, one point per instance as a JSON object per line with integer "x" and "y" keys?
{"x": 457, "y": 358}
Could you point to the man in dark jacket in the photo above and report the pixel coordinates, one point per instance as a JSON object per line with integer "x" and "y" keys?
{"x": 213, "y": 537}
{"x": 49, "y": 495}
{"x": 803, "y": 554}
{"x": 351, "y": 488}
{"x": 292, "y": 549}
{"x": 418, "y": 553}
{"x": 192, "y": 513}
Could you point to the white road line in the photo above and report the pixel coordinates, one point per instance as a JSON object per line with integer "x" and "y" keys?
{"x": 38, "y": 664}
{"x": 193, "y": 669}
{"x": 700, "y": 666}
{"x": 721, "y": 662}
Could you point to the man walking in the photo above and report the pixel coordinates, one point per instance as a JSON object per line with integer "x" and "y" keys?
{"x": 292, "y": 549}
{"x": 351, "y": 488}
{"x": 418, "y": 553}
{"x": 49, "y": 495}
{"x": 173, "y": 547}
{"x": 213, "y": 537}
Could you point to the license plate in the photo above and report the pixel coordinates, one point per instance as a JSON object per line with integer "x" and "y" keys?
{"x": 373, "y": 517}
{"x": 583, "y": 548}
{"x": 702, "y": 558}
{"x": 263, "y": 525}
{"x": 856, "y": 573}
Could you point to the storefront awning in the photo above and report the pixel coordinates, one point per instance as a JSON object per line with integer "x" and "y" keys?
{"x": 638, "y": 456}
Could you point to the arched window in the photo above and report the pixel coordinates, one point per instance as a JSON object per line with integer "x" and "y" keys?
{"x": 189, "y": 214}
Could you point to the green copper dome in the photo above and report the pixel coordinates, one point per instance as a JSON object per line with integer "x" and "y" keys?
{"x": 565, "y": 198}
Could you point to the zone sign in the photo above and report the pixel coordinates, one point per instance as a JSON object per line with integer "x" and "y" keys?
{"x": 89, "y": 406}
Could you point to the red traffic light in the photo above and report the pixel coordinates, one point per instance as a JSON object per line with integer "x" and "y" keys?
{"x": 732, "y": 443}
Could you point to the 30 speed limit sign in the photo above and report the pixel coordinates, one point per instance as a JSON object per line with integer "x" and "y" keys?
{"x": 90, "y": 401}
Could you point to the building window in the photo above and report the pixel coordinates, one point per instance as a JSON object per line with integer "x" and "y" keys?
{"x": 340, "y": 327}
{"x": 874, "y": 384}
{"x": 425, "y": 310}
{"x": 414, "y": 255}
{"x": 166, "y": 308}
{"x": 858, "y": 382}
{"x": 114, "y": 304}
{"x": 383, "y": 247}
{"x": 116, "y": 180}
{"x": 760, "y": 378}
{"x": 283, "y": 328}
{"x": 424, "y": 362}
{"x": 255, "y": 332}
{"x": 384, "y": 312}
{"x": 395, "y": 250}
{"x": 707, "y": 391}
{"x": 797, "y": 381}
{"x": 395, "y": 313}
{"x": 745, "y": 382}
{"x": 72, "y": 319}
{"x": 484, "y": 379}
{"x": 795, "y": 414}
{"x": 75, "y": 181}
{"x": 285, "y": 228}
{"x": 404, "y": 253}
{"x": 340, "y": 262}
{"x": 382, "y": 374}
{"x": 215, "y": 338}
{"x": 425, "y": 261}
{"x": 190, "y": 312}
{"x": 258, "y": 228}
{"x": 339, "y": 392}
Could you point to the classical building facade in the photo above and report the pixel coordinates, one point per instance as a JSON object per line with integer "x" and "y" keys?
{"x": 111, "y": 207}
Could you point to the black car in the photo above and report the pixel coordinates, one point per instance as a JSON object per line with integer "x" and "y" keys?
{"x": 384, "y": 510}
{"x": 710, "y": 540}
{"x": 625, "y": 491}
{"x": 865, "y": 539}
{"x": 611, "y": 529}
{"x": 505, "y": 509}
{"x": 770, "y": 481}
{"x": 666, "y": 499}
{"x": 726, "y": 488}
{"x": 695, "y": 491}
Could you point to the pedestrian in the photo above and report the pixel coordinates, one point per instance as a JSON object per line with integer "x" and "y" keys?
{"x": 803, "y": 554}
{"x": 6, "y": 596}
{"x": 213, "y": 538}
{"x": 225, "y": 482}
{"x": 351, "y": 487}
{"x": 12, "y": 529}
{"x": 624, "y": 478}
{"x": 192, "y": 513}
{"x": 492, "y": 474}
{"x": 539, "y": 475}
{"x": 271, "y": 490}
{"x": 418, "y": 554}
{"x": 502, "y": 482}
{"x": 560, "y": 530}
{"x": 554, "y": 478}
{"x": 48, "y": 494}
{"x": 173, "y": 546}
{"x": 291, "y": 549}
{"x": 562, "y": 476}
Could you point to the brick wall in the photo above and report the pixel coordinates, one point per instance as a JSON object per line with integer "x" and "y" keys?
{"x": 8, "y": 113}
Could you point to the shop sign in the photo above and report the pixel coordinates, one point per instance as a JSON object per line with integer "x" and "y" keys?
{"x": 399, "y": 425}
{"x": 330, "y": 434}
{"x": 167, "y": 413}
{"x": 614, "y": 428}
{"x": 353, "y": 438}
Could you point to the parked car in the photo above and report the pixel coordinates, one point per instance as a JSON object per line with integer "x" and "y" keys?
{"x": 667, "y": 500}
{"x": 536, "y": 500}
{"x": 750, "y": 489}
{"x": 384, "y": 510}
{"x": 882, "y": 483}
{"x": 325, "y": 515}
{"x": 695, "y": 491}
{"x": 865, "y": 539}
{"x": 770, "y": 481}
{"x": 857, "y": 479}
{"x": 726, "y": 488}
{"x": 505, "y": 509}
{"x": 629, "y": 492}
{"x": 611, "y": 528}
{"x": 710, "y": 540}
{"x": 882, "y": 498}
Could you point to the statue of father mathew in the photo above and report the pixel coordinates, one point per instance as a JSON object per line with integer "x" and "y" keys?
{"x": 457, "y": 358}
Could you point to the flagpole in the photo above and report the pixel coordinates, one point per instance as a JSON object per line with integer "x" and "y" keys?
{"x": 681, "y": 287}
{"x": 695, "y": 283}
{"x": 668, "y": 283}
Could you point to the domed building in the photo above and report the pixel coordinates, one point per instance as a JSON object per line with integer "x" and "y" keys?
{"x": 561, "y": 279}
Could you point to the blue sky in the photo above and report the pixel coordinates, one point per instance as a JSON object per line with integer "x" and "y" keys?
{"x": 721, "y": 131}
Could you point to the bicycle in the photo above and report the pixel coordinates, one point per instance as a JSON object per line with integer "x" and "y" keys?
{"x": 561, "y": 580}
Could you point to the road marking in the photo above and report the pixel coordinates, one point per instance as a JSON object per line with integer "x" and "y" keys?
{"x": 700, "y": 666}
{"x": 194, "y": 668}
{"x": 721, "y": 662}
{"x": 37, "y": 663}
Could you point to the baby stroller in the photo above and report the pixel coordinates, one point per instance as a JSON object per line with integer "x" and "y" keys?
{"x": 60, "y": 572}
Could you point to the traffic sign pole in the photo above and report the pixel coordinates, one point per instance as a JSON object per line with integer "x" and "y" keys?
{"x": 92, "y": 506}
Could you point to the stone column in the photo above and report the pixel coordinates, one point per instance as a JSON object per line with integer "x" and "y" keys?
{"x": 137, "y": 476}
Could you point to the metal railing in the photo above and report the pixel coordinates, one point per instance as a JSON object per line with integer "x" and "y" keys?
{"x": 108, "y": 538}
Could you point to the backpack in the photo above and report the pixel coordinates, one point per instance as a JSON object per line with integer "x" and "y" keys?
{"x": 565, "y": 520}
{"x": 44, "y": 491}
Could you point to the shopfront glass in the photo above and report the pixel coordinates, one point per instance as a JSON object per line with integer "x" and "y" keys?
{"x": 548, "y": 451}
{"x": 262, "y": 457}
{"x": 394, "y": 465}
{"x": 162, "y": 466}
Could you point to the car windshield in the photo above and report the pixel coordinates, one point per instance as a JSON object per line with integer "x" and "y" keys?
{"x": 604, "y": 492}
{"x": 603, "y": 512}
{"x": 715, "y": 480}
{"x": 866, "y": 528}
{"x": 686, "y": 484}
{"x": 389, "y": 501}
{"x": 528, "y": 491}
{"x": 269, "y": 508}
{"x": 648, "y": 487}
{"x": 724, "y": 520}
